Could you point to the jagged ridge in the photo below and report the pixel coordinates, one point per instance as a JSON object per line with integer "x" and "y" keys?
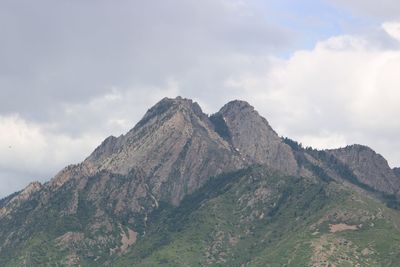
{"x": 96, "y": 210}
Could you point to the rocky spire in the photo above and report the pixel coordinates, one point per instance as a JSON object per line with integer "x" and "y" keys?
{"x": 254, "y": 139}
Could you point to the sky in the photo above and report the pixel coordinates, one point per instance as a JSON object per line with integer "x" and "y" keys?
{"x": 325, "y": 73}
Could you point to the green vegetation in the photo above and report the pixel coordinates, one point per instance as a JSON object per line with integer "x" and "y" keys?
{"x": 331, "y": 162}
{"x": 252, "y": 217}
{"x": 259, "y": 218}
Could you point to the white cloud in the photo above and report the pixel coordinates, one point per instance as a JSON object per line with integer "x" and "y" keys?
{"x": 28, "y": 152}
{"x": 36, "y": 151}
{"x": 16, "y": 135}
{"x": 115, "y": 112}
{"x": 345, "y": 90}
{"x": 393, "y": 29}
{"x": 325, "y": 140}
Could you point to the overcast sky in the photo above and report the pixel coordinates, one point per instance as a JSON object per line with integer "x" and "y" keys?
{"x": 325, "y": 73}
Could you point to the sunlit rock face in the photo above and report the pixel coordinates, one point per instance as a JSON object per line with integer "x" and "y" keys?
{"x": 254, "y": 139}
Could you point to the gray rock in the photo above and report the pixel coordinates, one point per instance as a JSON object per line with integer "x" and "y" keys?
{"x": 178, "y": 148}
{"x": 255, "y": 140}
{"x": 397, "y": 172}
{"x": 369, "y": 167}
{"x": 174, "y": 145}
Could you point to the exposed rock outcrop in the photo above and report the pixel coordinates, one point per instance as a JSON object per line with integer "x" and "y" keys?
{"x": 397, "y": 172}
{"x": 369, "y": 167}
{"x": 22, "y": 196}
{"x": 170, "y": 153}
{"x": 254, "y": 138}
{"x": 174, "y": 145}
{"x": 178, "y": 147}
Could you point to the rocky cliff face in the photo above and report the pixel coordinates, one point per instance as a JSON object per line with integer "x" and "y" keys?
{"x": 397, "y": 172}
{"x": 14, "y": 201}
{"x": 369, "y": 167}
{"x": 170, "y": 153}
{"x": 254, "y": 139}
{"x": 174, "y": 145}
{"x": 178, "y": 147}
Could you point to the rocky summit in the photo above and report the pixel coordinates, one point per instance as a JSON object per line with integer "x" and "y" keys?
{"x": 182, "y": 188}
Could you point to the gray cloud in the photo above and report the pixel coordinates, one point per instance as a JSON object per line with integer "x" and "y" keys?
{"x": 383, "y": 9}
{"x": 68, "y": 52}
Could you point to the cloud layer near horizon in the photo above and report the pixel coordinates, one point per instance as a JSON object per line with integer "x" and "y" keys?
{"x": 343, "y": 91}
{"x": 82, "y": 71}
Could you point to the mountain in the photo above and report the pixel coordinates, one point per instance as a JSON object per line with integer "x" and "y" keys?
{"x": 397, "y": 171}
{"x": 369, "y": 167}
{"x": 254, "y": 139}
{"x": 186, "y": 189}
{"x": 175, "y": 147}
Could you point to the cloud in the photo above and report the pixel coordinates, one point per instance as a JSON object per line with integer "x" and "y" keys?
{"x": 37, "y": 151}
{"x": 343, "y": 91}
{"x": 393, "y": 29}
{"x": 384, "y": 9}
{"x": 114, "y": 112}
{"x": 71, "y": 52}
{"x": 28, "y": 152}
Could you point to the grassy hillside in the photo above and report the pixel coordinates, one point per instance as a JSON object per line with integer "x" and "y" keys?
{"x": 253, "y": 217}
{"x": 258, "y": 218}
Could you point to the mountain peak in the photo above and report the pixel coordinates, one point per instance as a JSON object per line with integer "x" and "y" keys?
{"x": 171, "y": 105}
{"x": 176, "y": 132}
{"x": 237, "y": 105}
{"x": 359, "y": 147}
{"x": 253, "y": 137}
{"x": 369, "y": 167}
{"x": 174, "y": 145}
{"x": 177, "y": 102}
